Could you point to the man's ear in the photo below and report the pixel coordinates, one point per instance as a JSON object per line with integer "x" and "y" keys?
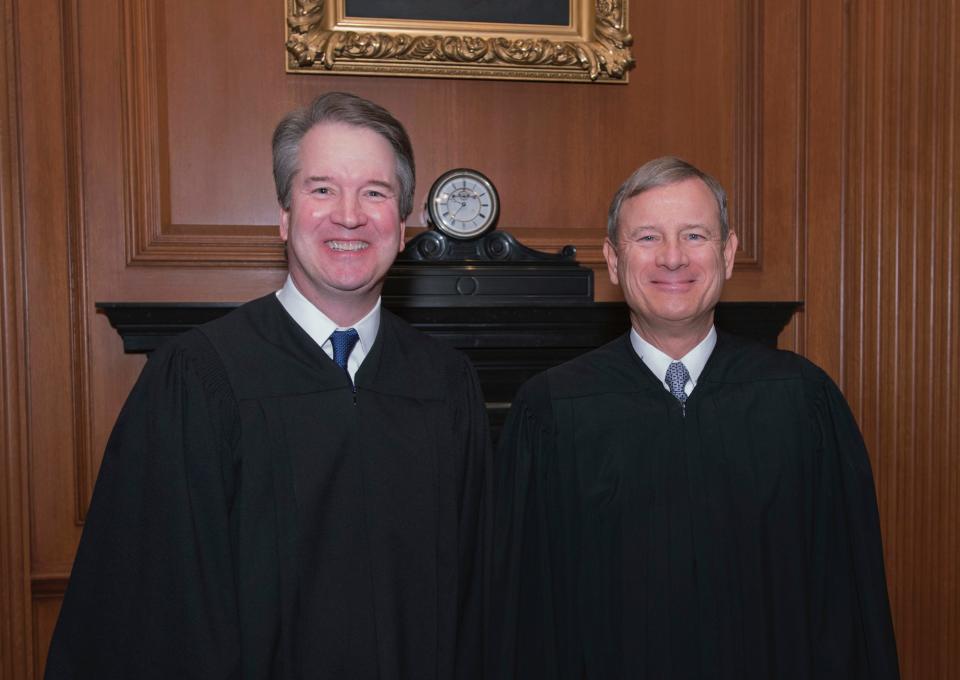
{"x": 284, "y": 224}
{"x": 403, "y": 227}
{"x": 610, "y": 255}
{"x": 730, "y": 253}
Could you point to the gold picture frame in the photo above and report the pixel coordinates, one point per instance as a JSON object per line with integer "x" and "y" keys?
{"x": 593, "y": 47}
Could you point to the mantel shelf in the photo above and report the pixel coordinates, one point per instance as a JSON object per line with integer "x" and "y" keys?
{"x": 507, "y": 344}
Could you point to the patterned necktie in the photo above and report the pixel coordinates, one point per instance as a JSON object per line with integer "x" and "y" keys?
{"x": 343, "y": 342}
{"x": 677, "y": 377}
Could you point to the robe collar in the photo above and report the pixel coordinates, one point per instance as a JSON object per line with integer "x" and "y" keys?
{"x": 398, "y": 364}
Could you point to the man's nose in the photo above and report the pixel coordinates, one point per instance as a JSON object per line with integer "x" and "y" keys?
{"x": 349, "y": 213}
{"x": 672, "y": 254}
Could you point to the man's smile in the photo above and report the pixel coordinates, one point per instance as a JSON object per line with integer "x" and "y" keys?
{"x": 347, "y": 246}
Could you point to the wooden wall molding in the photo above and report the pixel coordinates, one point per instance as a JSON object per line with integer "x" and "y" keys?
{"x": 52, "y": 585}
{"x": 85, "y": 462}
{"x": 900, "y": 316}
{"x": 150, "y": 238}
{"x": 16, "y": 621}
{"x": 141, "y": 132}
{"x": 822, "y": 185}
{"x": 748, "y": 120}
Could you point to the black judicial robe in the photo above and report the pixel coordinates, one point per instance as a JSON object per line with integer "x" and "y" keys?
{"x": 740, "y": 540}
{"x": 254, "y": 517}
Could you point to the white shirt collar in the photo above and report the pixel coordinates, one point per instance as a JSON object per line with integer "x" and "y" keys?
{"x": 319, "y": 326}
{"x": 658, "y": 362}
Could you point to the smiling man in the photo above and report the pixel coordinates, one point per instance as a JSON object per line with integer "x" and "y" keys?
{"x": 681, "y": 503}
{"x": 294, "y": 490}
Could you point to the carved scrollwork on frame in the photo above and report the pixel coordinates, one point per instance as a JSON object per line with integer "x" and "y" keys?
{"x": 595, "y": 46}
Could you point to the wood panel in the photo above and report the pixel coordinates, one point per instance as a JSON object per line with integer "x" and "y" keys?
{"x": 76, "y": 262}
{"x": 169, "y": 216}
{"x": 901, "y": 305}
{"x": 46, "y": 608}
{"x": 882, "y": 284}
{"x": 55, "y": 456}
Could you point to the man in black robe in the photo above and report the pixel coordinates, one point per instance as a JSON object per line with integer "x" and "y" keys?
{"x": 681, "y": 503}
{"x": 294, "y": 490}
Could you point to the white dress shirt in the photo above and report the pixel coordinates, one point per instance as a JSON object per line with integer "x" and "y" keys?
{"x": 658, "y": 362}
{"x": 319, "y": 326}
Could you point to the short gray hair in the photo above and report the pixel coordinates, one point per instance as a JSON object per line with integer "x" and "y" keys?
{"x": 662, "y": 172}
{"x": 341, "y": 107}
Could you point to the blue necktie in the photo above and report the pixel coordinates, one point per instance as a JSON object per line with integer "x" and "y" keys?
{"x": 677, "y": 377}
{"x": 343, "y": 342}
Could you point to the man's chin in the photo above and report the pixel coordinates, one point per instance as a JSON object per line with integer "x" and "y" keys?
{"x": 359, "y": 287}
{"x": 677, "y": 316}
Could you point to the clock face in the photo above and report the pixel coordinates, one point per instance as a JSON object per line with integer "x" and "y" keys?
{"x": 463, "y": 204}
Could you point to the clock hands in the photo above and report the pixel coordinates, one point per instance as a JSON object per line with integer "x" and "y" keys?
{"x": 463, "y": 201}
{"x": 463, "y": 205}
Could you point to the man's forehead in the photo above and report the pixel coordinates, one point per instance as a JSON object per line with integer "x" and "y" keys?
{"x": 690, "y": 190}
{"x": 342, "y": 137}
{"x": 681, "y": 203}
{"x": 332, "y": 148}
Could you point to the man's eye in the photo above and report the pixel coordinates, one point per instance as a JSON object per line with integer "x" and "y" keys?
{"x": 321, "y": 190}
{"x": 373, "y": 193}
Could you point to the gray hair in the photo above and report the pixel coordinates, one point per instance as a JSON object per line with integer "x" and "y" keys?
{"x": 341, "y": 107}
{"x": 662, "y": 172}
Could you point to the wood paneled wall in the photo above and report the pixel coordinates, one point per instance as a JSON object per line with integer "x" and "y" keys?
{"x": 882, "y": 286}
{"x": 134, "y": 142}
{"x": 900, "y": 358}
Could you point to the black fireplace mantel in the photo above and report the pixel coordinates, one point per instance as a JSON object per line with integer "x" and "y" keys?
{"x": 144, "y": 326}
{"x": 507, "y": 344}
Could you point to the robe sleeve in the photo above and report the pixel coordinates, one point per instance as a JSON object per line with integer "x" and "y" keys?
{"x": 528, "y": 612}
{"x": 151, "y": 594}
{"x": 852, "y": 627}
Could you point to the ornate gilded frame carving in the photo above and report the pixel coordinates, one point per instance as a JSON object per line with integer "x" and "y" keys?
{"x": 594, "y": 47}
